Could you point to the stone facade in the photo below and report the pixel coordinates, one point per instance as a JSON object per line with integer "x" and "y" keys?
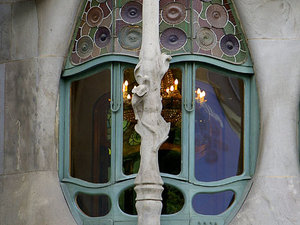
{"x": 34, "y": 40}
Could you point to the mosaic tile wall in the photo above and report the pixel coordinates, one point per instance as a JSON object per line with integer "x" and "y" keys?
{"x": 201, "y": 27}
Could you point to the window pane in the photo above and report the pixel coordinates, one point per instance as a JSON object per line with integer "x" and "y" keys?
{"x": 173, "y": 200}
{"x": 131, "y": 139}
{"x": 91, "y": 128}
{"x": 212, "y": 203}
{"x": 169, "y": 155}
{"x": 94, "y": 205}
{"x": 219, "y": 103}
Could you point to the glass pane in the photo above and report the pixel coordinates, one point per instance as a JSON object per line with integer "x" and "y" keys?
{"x": 94, "y": 205}
{"x": 91, "y": 128}
{"x": 169, "y": 155}
{"x": 219, "y": 103}
{"x": 212, "y": 203}
{"x": 131, "y": 139}
{"x": 173, "y": 200}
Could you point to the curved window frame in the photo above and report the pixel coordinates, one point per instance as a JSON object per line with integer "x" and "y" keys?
{"x": 186, "y": 183}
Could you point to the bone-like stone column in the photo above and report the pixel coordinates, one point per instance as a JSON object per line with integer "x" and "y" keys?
{"x": 151, "y": 126}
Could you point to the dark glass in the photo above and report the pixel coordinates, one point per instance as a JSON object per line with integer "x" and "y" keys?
{"x": 173, "y": 200}
{"x": 91, "y": 128}
{"x": 94, "y": 205}
{"x": 218, "y": 126}
{"x": 169, "y": 155}
{"x": 131, "y": 139}
{"x": 212, "y": 203}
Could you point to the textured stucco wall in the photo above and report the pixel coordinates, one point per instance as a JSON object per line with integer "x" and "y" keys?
{"x": 273, "y": 30}
{"x": 34, "y": 38}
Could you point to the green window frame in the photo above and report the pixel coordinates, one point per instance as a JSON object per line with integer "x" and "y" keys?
{"x": 185, "y": 181}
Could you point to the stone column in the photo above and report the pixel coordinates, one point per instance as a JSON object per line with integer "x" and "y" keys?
{"x": 151, "y": 126}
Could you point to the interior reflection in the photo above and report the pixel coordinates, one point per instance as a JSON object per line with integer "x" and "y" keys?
{"x": 91, "y": 128}
{"x": 169, "y": 155}
{"x": 218, "y": 126}
{"x": 213, "y": 203}
{"x": 94, "y": 205}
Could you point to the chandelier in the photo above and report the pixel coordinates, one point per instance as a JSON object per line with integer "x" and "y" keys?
{"x": 171, "y": 99}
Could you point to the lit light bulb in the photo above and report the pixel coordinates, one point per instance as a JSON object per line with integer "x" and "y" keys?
{"x": 168, "y": 90}
{"x": 128, "y": 97}
{"x": 126, "y": 85}
{"x": 176, "y": 84}
{"x": 172, "y": 88}
{"x": 200, "y": 95}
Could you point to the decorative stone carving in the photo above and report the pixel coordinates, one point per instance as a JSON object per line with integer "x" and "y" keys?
{"x": 151, "y": 126}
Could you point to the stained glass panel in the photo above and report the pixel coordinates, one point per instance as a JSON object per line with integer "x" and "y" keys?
{"x": 208, "y": 28}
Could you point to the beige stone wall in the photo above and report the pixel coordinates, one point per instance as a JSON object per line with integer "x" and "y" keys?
{"x": 34, "y": 38}
{"x": 273, "y": 30}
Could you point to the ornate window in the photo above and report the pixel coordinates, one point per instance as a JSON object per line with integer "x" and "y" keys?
{"x": 208, "y": 95}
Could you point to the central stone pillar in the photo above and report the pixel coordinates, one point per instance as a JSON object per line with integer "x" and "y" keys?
{"x": 151, "y": 126}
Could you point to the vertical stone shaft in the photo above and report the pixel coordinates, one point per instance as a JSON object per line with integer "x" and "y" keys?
{"x": 151, "y": 126}
{"x": 150, "y": 37}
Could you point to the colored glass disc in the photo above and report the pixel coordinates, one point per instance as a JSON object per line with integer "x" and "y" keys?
{"x": 130, "y": 37}
{"x": 206, "y": 38}
{"x": 85, "y": 46}
{"x": 131, "y": 12}
{"x": 173, "y": 38}
{"x": 230, "y": 45}
{"x": 217, "y": 15}
{"x": 174, "y": 13}
{"x": 102, "y": 37}
{"x": 94, "y": 16}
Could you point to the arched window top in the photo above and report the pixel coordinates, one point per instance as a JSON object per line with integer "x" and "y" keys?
{"x": 208, "y": 28}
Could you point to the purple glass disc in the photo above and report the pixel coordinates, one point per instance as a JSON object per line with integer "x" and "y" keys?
{"x": 230, "y": 45}
{"x": 131, "y": 12}
{"x": 102, "y": 37}
{"x": 173, "y": 38}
